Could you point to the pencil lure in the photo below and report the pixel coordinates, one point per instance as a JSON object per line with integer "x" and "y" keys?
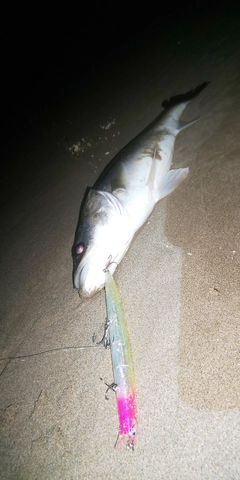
{"x": 122, "y": 364}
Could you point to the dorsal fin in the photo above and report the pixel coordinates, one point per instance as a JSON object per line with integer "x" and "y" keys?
{"x": 184, "y": 97}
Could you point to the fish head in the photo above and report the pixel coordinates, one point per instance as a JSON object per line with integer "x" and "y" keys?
{"x": 101, "y": 240}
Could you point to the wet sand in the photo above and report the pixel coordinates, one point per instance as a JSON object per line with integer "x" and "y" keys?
{"x": 179, "y": 281}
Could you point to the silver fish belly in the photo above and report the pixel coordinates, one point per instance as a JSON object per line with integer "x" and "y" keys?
{"x": 125, "y": 194}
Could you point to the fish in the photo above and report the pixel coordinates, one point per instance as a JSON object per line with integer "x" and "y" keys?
{"x": 125, "y": 194}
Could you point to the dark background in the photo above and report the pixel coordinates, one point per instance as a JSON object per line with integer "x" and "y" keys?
{"x": 47, "y": 51}
{"x": 51, "y": 54}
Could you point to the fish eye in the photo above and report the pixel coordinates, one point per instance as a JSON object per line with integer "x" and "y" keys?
{"x": 79, "y": 248}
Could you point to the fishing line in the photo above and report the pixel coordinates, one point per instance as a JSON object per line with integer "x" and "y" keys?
{"x": 52, "y": 350}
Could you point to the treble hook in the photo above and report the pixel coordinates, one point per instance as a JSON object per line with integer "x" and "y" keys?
{"x": 104, "y": 340}
{"x": 113, "y": 386}
{"x": 109, "y": 262}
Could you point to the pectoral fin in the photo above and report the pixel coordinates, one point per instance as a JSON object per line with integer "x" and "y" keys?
{"x": 171, "y": 181}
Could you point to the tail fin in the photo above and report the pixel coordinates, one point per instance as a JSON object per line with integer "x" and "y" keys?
{"x": 184, "y": 97}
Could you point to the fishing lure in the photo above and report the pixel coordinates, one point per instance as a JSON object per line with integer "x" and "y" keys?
{"x": 122, "y": 364}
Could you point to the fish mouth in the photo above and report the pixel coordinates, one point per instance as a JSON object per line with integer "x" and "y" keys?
{"x": 87, "y": 283}
{"x": 76, "y": 279}
{"x": 90, "y": 274}
{"x": 91, "y": 278}
{"x": 79, "y": 264}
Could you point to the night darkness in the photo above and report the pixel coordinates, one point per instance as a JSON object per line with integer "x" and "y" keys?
{"x": 47, "y": 52}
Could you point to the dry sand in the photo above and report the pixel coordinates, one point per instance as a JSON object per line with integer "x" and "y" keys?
{"x": 179, "y": 281}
